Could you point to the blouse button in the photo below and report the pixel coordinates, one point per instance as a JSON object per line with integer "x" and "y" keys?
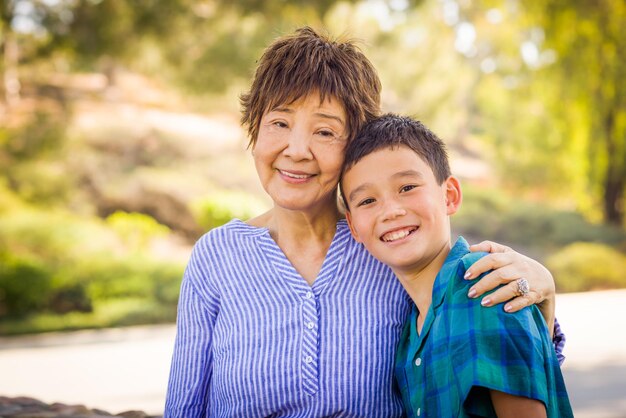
{"x": 418, "y": 361}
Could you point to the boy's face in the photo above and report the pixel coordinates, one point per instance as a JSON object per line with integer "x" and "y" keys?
{"x": 397, "y": 209}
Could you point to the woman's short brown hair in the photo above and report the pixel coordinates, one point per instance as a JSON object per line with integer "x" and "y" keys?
{"x": 295, "y": 65}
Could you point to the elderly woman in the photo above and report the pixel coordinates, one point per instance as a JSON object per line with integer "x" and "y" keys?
{"x": 285, "y": 314}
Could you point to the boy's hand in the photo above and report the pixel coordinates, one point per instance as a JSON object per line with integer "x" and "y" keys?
{"x": 508, "y": 266}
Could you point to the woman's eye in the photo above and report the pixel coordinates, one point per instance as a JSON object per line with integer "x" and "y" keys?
{"x": 408, "y": 187}
{"x": 280, "y": 124}
{"x": 326, "y": 134}
{"x": 365, "y": 202}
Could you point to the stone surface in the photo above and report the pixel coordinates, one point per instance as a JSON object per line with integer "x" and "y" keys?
{"x": 24, "y": 407}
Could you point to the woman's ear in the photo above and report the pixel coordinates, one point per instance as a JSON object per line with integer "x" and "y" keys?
{"x": 355, "y": 235}
{"x": 454, "y": 196}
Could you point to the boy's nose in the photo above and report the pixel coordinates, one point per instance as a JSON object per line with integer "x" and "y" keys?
{"x": 393, "y": 211}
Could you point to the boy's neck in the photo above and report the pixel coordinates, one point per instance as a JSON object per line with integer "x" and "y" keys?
{"x": 419, "y": 282}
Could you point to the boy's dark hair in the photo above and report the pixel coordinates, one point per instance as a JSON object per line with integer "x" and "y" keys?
{"x": 296, "y": 65}
{"x": 393, "y": 131}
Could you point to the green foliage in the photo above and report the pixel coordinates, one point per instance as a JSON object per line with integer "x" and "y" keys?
{"x": 31, "y": 154}
{"x": 136, "y": 229}
{"x": 24, "y": 286}
{"x": 584, "y": 266}
{"x": 490, "y": 214}
{"x": 42, "y": 134}
{"x": 551, "y": 119}
{"x": 119, "y": 312}
{"x": 223, "y": 206}
{"x": 68, "y": 271}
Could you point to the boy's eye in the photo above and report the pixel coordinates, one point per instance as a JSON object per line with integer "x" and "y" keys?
{"x": 407, "y": 188}
{"x": 365, "y": 202}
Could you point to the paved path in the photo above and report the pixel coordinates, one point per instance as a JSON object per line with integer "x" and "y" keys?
{"x": 122, "y": 369}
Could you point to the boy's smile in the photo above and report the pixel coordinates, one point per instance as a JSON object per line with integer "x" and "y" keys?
{"x": 397, "y": 208}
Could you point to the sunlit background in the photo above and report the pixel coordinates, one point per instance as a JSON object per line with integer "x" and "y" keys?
{"x": 120, "y": 145}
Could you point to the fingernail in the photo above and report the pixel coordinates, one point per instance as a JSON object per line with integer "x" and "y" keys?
{"x": 508, "y": 308}
{"x": 472, "y": 293}
{"x": 468, "y": 274}
{"x": 485, "y": 302}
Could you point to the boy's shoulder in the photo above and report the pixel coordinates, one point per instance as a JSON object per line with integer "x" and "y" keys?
{"x": 470, "y": 258}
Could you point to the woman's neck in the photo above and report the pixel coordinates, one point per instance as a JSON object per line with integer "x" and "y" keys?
{"x": 303, "y": 237}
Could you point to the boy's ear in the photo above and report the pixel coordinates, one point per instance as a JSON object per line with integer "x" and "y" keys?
{"x": 454, "y": 196}
{"x": 355, "y": 235}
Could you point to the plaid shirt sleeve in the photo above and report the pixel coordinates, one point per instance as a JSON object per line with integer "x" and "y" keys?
{"x": 511, "y": 353}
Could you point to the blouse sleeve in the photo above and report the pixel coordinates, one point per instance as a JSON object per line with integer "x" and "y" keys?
{"x": 559, "y": 341}
{"x": 192, "y": 362}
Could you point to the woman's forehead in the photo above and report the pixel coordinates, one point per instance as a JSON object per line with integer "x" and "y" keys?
{"x": 289, "y": 99}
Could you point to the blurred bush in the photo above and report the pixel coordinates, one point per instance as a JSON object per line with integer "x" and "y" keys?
{"x": 584, "y": 266}
{"x": 491, "y": 214}
{"x": 61, "y": 271}
{"x": 136, "y": 229}
{"x": 24, "y": 286}
{"x": 222, "y": 206}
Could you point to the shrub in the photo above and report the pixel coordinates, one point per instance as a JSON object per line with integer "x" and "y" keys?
{"x": 489, "y": 214}
{"x": 24, "y": 286}
{"x": 70, "y": 298}
{"x": 136, "y": 229}
{"x": 586, "y": 266}
{"x": 223, "y": 206}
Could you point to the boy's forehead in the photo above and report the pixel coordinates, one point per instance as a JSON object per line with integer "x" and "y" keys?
{"x": 386, "y": 152}
{"x": 394, "y": 161}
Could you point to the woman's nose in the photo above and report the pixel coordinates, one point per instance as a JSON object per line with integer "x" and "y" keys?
{"x": 298, "y": 145}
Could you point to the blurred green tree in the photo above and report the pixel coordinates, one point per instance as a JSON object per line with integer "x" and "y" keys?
{"x": 588, "y": 37}
{"x": 551, "y": 97}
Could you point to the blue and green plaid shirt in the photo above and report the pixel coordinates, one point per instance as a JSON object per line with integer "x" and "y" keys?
{"x": 465, "y": 349}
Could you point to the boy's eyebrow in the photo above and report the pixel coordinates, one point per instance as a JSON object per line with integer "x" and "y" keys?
{"x": 408, "y": 173}
{"x": 356, "y": 191}
{"x": 400, "y": 174}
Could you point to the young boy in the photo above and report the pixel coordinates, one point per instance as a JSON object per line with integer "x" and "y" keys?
{"x": 454, "y": 358}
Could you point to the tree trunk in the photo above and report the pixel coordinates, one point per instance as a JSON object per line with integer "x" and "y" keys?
{"x": 615, "y": 175}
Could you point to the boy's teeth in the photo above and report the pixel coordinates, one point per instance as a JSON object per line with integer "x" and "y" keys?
{"x": 396, "y": 235}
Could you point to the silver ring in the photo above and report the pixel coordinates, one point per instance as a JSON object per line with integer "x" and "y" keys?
{"x": 522, "y": 287}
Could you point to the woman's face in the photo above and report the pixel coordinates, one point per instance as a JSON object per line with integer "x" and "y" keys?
{"x": 299, "y": 152}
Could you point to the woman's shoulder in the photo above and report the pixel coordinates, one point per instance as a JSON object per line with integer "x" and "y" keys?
{"x": 232, "y": 233}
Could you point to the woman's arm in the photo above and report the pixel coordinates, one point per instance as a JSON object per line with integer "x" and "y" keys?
{"x": 506, "y": 266}
{"x": 192, "y": 360}
{"x": 188, "y": 391}
{"x": 510, "y": 406}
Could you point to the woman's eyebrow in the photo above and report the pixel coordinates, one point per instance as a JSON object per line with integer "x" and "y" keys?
{"x": 330, "y": 116}
{"x": 282, "y": 109}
